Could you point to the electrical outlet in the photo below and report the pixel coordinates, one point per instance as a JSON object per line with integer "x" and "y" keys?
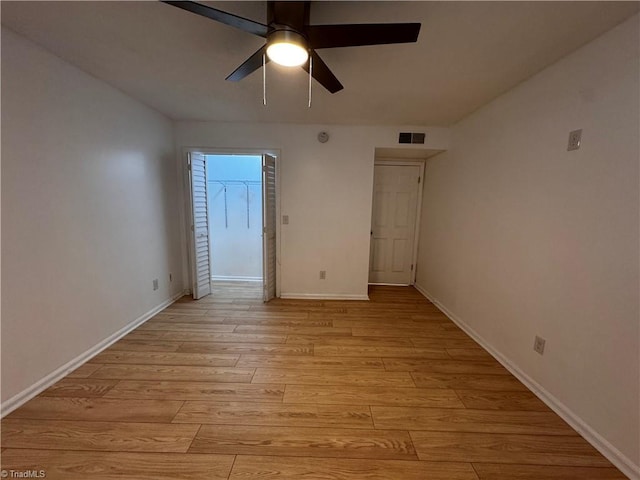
{"x": 155, "y": 284}
{"x": 323, "y": 274}
{"x": 538, "y": 345}
{"x": 575, "y": 138}
{"x": 170, "y": 277}
{"x": 285, "y": 219}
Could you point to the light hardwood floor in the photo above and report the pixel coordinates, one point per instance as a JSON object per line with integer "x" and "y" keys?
{"x": 230, "y": 388}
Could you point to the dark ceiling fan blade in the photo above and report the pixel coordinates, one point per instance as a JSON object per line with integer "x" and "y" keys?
{"x": 354, "y": 35}
{"x": 322, "y": 74}
{"x": 223, "y": 17}
{"x": 253, "y": 63}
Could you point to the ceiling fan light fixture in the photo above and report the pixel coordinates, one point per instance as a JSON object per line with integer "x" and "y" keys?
{"x": 287, "y": 48}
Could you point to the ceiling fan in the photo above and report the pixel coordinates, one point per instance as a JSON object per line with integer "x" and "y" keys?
{"x": 291, "y": 41}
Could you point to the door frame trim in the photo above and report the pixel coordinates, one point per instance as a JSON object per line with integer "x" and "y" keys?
{"x": 416, "y": 236}
{"x": 185, "y": 211}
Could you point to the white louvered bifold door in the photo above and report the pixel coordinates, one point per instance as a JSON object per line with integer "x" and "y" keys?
{"x": 269, "y": 226}
{"x": 201, "y": 268}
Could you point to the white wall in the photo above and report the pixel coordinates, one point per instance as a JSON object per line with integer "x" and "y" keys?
{"x": 89, "y": 212}
{"x": 326, "y": 189}
{"x": 521, "y": 237}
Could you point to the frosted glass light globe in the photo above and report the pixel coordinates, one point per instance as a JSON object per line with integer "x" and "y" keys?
{"x": 287, "y": 48}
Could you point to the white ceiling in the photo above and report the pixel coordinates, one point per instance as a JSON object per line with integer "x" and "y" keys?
{"x": 174, "y": 61}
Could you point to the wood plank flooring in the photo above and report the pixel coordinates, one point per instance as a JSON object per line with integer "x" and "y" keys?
{"x": 231, "y": 388}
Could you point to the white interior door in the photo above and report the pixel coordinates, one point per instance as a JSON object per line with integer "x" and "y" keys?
{"x": 393, "y": 223}
{"x": 201, "y": 266}
{"x": 269, "y": 226}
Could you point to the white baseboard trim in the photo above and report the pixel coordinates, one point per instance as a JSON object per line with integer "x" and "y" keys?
{"x": 322, "y": 296}
{"x": 223, "y": 278}
{"x": 27, "y": 394}
{"x": 614, "y": 455}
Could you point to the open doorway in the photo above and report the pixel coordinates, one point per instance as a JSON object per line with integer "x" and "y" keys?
{"x": 233, "y": 211}
{"x": 234, "y": 187}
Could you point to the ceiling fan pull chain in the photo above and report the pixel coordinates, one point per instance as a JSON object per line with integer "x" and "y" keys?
{"x": 310, "y": 76}
{"x": 264, "y": 80}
